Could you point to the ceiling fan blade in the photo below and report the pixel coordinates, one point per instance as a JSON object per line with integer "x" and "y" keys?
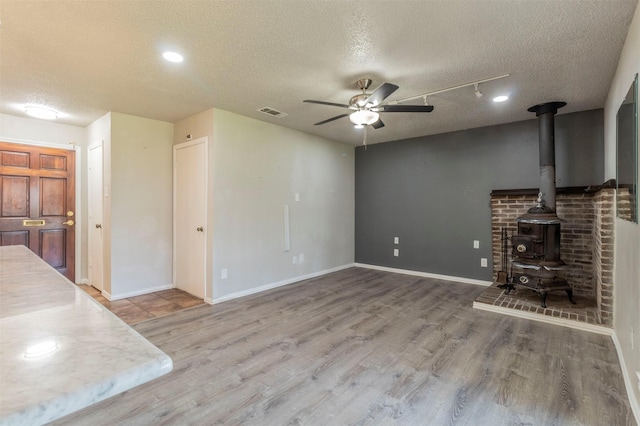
{"x": 331, "y": 119}
{"x": 326, "y": 103}
{"x": 378, "y": 124}
{"x": 406, "y": 108}
{"x": 381, "y": 94}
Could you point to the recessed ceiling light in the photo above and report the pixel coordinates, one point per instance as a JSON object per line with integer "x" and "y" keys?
{"x": 172, "y": 57}
{"x": 500, "y": 98}
{"x": 41, "y": 112}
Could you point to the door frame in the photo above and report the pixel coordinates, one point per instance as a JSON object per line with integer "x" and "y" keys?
{"x": 78, "y": 217}
{"x": 205, "y": 141}
{"x": 89, "y": 190}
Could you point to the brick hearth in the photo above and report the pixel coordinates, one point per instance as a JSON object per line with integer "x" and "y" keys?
{"x": 586, "y": 248}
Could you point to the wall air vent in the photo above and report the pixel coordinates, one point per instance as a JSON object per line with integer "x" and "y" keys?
{"x": 272, "y": 112}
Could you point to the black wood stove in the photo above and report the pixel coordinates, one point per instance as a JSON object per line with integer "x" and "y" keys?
{"x": 535, "y": 248}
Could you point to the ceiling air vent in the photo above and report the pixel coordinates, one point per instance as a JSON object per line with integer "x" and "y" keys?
{"x": 272, "y": 112}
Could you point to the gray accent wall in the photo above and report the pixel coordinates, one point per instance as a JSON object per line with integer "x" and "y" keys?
{"x": 433, "y": 193}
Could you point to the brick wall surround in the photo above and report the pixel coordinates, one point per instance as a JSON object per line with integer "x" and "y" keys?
{"x": 586, "y": 239}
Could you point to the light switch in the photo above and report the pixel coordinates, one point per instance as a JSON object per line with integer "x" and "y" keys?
{"x": 396, "y": 240}
{"x": 396, "y": 252}
{"x": 476, "y": 244}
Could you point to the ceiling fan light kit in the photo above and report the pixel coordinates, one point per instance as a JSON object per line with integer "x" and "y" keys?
{"x": 364, "y": 117}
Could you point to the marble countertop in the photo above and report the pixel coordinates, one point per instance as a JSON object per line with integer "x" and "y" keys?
{"x": 60, "y": 350}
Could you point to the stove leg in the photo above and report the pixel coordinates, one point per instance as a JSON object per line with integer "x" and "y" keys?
{"x": 570, "y": 294}
{"x": 543, "y": 299}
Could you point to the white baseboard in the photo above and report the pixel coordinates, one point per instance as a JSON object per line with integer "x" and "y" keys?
{"x": 425, "y": 274}
{"x": 277, "y": 284}
{"x": 137, "y": 293}
{"x": 83, "y": 281}
{"x": 628, "y": 381}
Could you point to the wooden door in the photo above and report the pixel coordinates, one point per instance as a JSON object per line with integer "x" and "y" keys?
{"x": 96, "y": 213}
{"x": 189, "y": 207}
{"x": 37, "y": 202}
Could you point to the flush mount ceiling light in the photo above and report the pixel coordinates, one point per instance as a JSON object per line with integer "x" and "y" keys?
{"x": 172, "y": 57}
{"x": 41, "y": 112}
{"x": 501, "y": 98}
{"x": 364, "y": 117}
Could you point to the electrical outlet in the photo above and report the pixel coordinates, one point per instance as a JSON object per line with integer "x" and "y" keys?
{"x": 224, "y": 273}
{"x": 301, "y": 257}
{"x": 396, "y": 252}
{"x": 476, "y": 244}
{"x": 483, "y": 262}
{"x": 297, "y": 196}
{"x": 295, "y": 259}
{"x": 396, "y": 240}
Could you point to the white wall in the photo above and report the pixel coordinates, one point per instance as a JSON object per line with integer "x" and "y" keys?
{"x": 255, "y": 169}
{"x": 141, "y": 205}
{"x": 49, "y": 133}
{"x": 258, "y": 168}
{"x": 627, "y": 234}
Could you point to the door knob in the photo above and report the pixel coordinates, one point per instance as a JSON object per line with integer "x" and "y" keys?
{"x": 69, "y": 222}
{"x": 98, "y": 226}
{"x": 200, "y": 229}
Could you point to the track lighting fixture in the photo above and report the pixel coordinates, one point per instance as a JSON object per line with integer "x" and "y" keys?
{"x": 475, "y": 85}
{"x": 476, "y": 91}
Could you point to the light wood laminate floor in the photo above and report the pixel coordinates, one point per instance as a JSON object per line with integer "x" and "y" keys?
{"x": 361, "y": 347}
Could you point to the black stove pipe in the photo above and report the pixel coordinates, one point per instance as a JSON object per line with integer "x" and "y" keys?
{"x": 546, "y": 134}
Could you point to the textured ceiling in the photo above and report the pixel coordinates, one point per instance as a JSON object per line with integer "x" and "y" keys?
{"x": 85, "y": 58}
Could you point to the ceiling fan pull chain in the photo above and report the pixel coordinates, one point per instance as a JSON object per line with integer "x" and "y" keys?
{"x": 364, "y": 138}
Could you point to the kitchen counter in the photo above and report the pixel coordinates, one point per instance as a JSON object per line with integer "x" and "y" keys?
{"x": 60, "y": 350}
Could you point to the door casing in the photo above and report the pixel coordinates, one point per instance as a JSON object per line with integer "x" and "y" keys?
{"x": 95, "y": 189}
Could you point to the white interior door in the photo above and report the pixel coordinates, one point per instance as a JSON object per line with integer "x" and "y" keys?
{"x": 190, "y": 213}
{"x": 96, "y": 212}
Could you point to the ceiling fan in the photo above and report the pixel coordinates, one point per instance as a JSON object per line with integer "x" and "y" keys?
{"x": 367, "y": 106}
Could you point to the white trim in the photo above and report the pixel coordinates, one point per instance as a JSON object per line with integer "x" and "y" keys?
{"x": 204, "y": 140}
{"x": 83, "y": 281}
{"x": 89, "y": 193}
{"x": 137, "y": 293}
{"x": 277, "y": 284}
{"x": 545, "y": 318}
{"x": 78, "y": 160}
{"x": 628, "y": 383}
{"x": 40, "y": 143}
{"x": 425, "y": 274}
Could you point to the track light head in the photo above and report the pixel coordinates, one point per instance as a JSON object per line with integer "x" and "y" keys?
{"x": 477, "y": 91}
